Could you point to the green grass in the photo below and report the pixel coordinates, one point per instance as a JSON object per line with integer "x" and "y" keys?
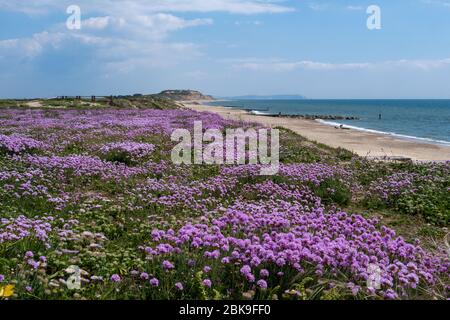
{"x": 8, "y": 103}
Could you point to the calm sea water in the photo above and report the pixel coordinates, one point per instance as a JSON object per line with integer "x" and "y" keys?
{"x": 425, "y": 120}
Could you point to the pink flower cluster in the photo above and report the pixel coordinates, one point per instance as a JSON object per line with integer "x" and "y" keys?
{"x": 17, "y": 144}
{"x": 394, "y": 185}
{"x": 85, "y": 166}
{"x": 14, "y": 229}
{"x": 127, "y": 123}
{"x": 134, "y": 149}
{"x": 283, "y": 239}
{"x": 302, "y": 172}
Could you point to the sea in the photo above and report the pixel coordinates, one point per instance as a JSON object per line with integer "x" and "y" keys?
{"x": 421, "y": 120}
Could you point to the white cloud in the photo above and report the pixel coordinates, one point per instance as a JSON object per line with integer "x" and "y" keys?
{"x": 149, "y": 6}
{"x": 144, "y": 25}
{"x": 243, "y": 23}
{"x": 355, "y": 8}
{"x": 272, "y": 65}
{"x": 159, "y": 25}
{"x": 129, "y": 37}
{"x": 425, "y": 65}
{"x": 97, "y": 23}
{"x": 231, "y": 6}
{"x": 124, "y": 58}
{"x": 443, "y": 3}
{"x": 318, "y": 6}
{"x": 29, "y": 7}
{"x": 30, "y": 47}
{"x": 116, "y": 30}
{"x": 286, "y": 66}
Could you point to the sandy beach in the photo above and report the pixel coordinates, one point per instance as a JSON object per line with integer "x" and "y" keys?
{"x": 365, "y": 144}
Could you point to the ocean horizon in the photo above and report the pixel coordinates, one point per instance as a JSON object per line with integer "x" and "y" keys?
{"x": 425, "y": 120}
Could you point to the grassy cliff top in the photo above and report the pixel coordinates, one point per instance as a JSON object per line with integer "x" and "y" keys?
{"x": 164, "y": 100}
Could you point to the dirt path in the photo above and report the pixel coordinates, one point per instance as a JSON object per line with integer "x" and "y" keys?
{"x": 34, "y": 104}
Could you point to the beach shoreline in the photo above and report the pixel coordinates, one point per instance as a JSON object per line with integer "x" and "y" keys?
{"x": 365, "y": 144}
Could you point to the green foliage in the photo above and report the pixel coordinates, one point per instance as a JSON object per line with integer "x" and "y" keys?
{"x": 427, "y": 193}
{"x": 73, "y": 148}
{"x": 432, "y": 204}
{"x": 334, "y": 191}
{"x": 344, "y": 154}
{"x": 8, "y": 103}
{"x": 296, "y": 149}
{"x": 119, "y": 156}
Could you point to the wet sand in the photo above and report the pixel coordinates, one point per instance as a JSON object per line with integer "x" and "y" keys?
{"x": 365, "y": 144}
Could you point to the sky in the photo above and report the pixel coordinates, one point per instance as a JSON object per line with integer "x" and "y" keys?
{"x": 321, "y": 49}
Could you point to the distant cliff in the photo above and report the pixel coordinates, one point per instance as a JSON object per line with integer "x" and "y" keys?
{"x": 184, "y": 95}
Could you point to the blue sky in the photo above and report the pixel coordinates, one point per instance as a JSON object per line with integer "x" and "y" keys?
{"x": 320, "y": 49}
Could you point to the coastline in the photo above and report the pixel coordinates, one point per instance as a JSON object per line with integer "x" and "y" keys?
{"x": 365, "y": 144}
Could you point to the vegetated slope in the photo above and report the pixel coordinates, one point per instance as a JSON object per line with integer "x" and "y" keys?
{"x": 184, "y": 95}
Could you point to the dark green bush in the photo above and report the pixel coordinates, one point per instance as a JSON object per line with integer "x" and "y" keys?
{"x": 332, "y": 191}
{"x": 119, "y": 156}
{"x": 432, "y": 204}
